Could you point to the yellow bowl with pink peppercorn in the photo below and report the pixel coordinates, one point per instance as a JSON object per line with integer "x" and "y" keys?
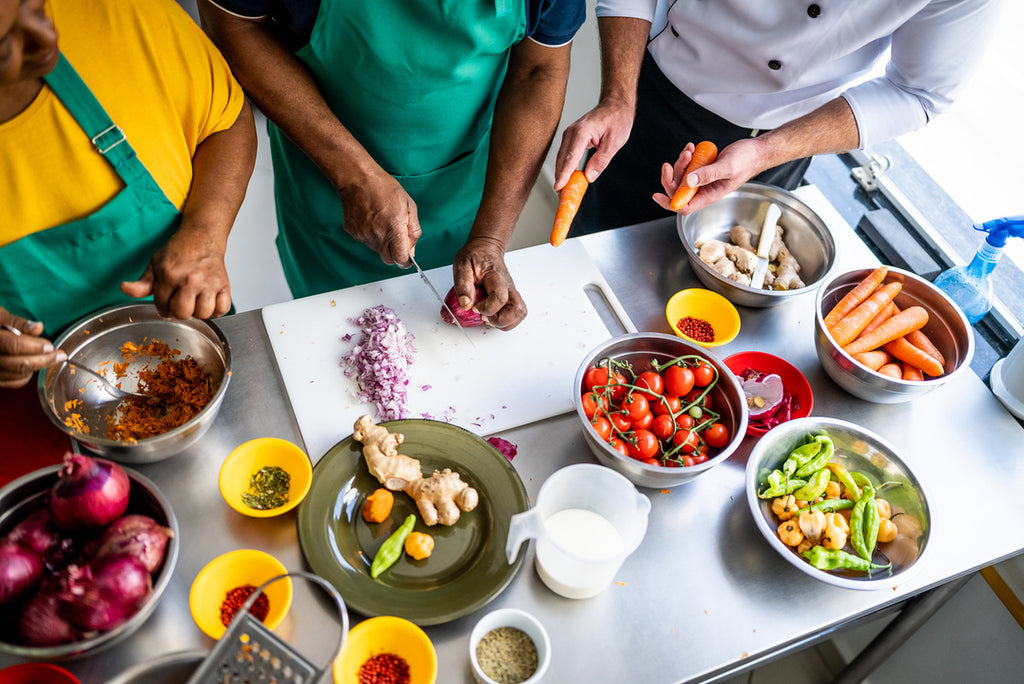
{"x": 385, "y": 646}
{"x": 222, "y": 586}
{"x": 702, "y": 317}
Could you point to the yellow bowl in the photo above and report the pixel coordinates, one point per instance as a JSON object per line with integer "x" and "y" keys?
{"x": 234, "y": 569}
{"x": 387, "y": 634}
{"x": 242, "y": 463}
{"x": 708, "y": 306}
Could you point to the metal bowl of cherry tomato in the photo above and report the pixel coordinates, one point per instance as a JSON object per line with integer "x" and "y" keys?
{"x": 658, "y": 409}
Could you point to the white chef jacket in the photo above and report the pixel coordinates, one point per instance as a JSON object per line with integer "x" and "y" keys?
{"x": 762, "y": 63}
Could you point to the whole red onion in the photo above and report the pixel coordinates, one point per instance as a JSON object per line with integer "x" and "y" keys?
{"x": 138, "y": 536}
{"x": 467, "y": 318}
{"x": 104, "y": 595}
{"x": 41, "y": 623}
{"x": 36, "y": 533}
{"x": 90, "y": 493}
{"x": 20, "y": 570}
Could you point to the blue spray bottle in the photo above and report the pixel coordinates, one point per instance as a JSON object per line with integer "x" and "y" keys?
{"x": 970, "y": 286}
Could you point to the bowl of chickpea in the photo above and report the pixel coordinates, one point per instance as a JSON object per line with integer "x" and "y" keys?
{"x": 836, "y": 501}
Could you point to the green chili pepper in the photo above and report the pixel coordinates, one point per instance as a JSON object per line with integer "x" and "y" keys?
{"x": 845, "y": 479}
{"x": 860, "y": 478}
{"x": 861, "y": 519}
{"x": 829, "y": 505}
{"x": 837, "y": 559}
{"x": 828, "y": 448}
{"x": 801, "y": 455}
{"x": 815, "y": 486}
{"x": 872, "y": 520}
{"x": 780, "y": 486}
{"x": 391, "y": 550}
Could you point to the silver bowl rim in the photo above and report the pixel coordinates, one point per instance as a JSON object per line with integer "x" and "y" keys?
{"x": 754, "y": 504}
{"x": 88, "y": 646}
{"x": 921, "y": 385}
{"x": 662, "y": 472}
{"x": 756, "y": 186}
{"x": 196, "y": 655}
{"x": 170, "y": 435}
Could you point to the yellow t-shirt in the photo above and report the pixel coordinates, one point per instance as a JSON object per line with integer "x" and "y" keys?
{"x": 158, "y": 77}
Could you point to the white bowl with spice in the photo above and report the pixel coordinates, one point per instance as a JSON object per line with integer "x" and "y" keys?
{"x": 509, "y": 646}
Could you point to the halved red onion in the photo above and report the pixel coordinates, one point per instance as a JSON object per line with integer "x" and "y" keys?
{"x": 467, "y": 317}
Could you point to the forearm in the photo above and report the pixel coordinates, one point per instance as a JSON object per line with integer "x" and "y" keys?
{"x": 830, "y": 129}
{"x": 285, "y": 91}
{"x": 526, "y": 115}
{"x": 623, "y": 41}
{"x": 221, "y": 168}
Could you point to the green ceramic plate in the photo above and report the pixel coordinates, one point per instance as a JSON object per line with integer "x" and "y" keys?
{"x": 468, "y": 567}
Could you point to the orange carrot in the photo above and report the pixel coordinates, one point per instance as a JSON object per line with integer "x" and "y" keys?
{"x": 893, "y": 370}
{"x": 703, "y": 154}
{"x": 909, "y": 354}
{"x": 912, "y": 373}
{"x": 921, "y": 341}
{"x": 899, "y": 325}
{"x": 883, "y": 315}
{"x": 852, "y": 324}
{"x": 855, "y": 296}
{"x": 569, "y": 199}
{"x": 873, "y": 359}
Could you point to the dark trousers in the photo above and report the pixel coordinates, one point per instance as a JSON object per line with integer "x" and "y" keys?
{"x": 665, "y": 121}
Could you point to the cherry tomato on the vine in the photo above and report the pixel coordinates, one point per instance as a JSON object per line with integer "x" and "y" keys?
{"x": 692, "y": 395}
{"x": 663, "y": 426}
{"x": 687, "y": 440}
{"x": 644, "y": 422}
{"x": 636, "y": 405}
{"x": 717, "y": 435}
{"x": 667, "y": 403}
{"x": 678, "y": 380}
{"x": 620, "y": 420}
{"x": 602, "y": 426}
{"x": 652, "y": 382}
{"x": 652, "y": 461}
{"x": 646, "y": 445}
{"x": 593, "y": 403}
{"x": 598, "y": 377}
{"x": 684, "y": 421}
{"x": 703, "y": 375}
{"x": 619, "y": 446}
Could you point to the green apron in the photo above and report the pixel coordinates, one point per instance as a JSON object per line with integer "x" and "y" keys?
{"x": 415, "y": 81}
{"x": 60, "y": 274}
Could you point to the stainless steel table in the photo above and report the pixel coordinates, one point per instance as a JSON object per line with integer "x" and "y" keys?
{"x": 704, "y": 596}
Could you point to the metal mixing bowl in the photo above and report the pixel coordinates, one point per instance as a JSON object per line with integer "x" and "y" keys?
{"x": 31, "y": 492}
{"x": 856, "y": 449}
{"x": 947, "y": 328}
{"x": 98, "y": 339}
{"x": 805, "y": 234}
{"x": 638, "y": 349}
{"x": 173, "y": 668}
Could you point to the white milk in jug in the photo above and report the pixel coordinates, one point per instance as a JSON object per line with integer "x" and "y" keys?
{"x": 580, "y": 554}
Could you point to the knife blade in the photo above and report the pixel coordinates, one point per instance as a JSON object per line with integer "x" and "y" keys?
{"x": 764, "y": 243}
{"x": 437, "y": 294}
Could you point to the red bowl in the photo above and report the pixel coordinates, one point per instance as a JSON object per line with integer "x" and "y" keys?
{"x": 792, "y": 380}
{"x": 36, "y": 673}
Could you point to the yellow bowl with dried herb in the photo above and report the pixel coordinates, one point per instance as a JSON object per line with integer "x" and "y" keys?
{"x": 265, "y": 477}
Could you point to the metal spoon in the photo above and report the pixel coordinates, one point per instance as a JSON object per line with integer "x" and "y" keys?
{"x": 110, "y": 388}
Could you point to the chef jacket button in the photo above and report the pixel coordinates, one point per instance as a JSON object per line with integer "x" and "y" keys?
{"x": 774, "y": 64}
{"x": 674, "y": 32}
{"x": 813, "y": 11}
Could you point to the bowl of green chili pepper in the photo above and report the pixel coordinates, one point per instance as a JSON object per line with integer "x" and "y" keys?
{"x": 836, "y": 501}
{"x": 265, "y": 477}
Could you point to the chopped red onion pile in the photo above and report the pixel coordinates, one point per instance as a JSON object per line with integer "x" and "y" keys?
{"x": 380, "y": 361}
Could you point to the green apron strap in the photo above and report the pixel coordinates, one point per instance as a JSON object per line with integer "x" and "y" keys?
{"x": 108, "y": 138}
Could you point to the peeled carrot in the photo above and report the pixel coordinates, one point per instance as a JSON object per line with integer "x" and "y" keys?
{"x": 883, "y": 315}
{"x": 569, "y": 199}
{"x": 703, "y": 154}
{"x": 909, "y": 354}
{"x": 874, "y": 359}
{"x": 852, "y": 324}
{"x": 893, "y": 370}
{"x": 912, "y": 373}
{"x": 855, "y": 296}
{"x": 899, "y": 325}
{"x": 921, "y": 341}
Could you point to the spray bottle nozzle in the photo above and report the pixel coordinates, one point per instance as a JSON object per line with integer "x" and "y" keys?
{"x": 999, "y": 229}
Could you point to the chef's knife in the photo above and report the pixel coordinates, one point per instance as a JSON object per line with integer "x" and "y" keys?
{"x": 440, "y": 298}
{"x": 764, "y": 244}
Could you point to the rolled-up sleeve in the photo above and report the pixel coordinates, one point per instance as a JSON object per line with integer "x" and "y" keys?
{"x": 636, "y": 9}
{"x": 932, "y": 57}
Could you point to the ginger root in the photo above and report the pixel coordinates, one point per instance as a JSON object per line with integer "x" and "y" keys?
{"x": 439, "y": 497}
{"x": 726, "y": 260}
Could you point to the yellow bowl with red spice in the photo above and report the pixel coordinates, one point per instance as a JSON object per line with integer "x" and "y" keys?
{"x": 702, "y": 317}
{"x": 251, "y": 480}
{"x": 386, "y": 644}
{"x": 221, "y": 587}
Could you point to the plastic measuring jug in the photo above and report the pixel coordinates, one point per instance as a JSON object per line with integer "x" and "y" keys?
{"x": 586, "y": 520}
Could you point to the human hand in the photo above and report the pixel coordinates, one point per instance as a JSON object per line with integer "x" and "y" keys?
{"x": 606, "y": 128}
{"x": 736, "y": 164}
{"x": 187, "y": 276}
{"x": 380, "y": 214}
{"x": 482, "y": 261}
{"x": 24, "y": 352}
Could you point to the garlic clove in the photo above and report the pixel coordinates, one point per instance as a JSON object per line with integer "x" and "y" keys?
{"x": 763, "y": 394}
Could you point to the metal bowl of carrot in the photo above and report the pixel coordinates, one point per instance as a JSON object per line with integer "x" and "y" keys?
{"x": 887, "y": 336}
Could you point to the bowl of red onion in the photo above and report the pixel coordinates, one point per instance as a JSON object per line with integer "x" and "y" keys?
{"x": 86, "y": 550}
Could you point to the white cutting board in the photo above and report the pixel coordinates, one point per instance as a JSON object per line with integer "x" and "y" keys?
{"x": 509, "y": 379}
